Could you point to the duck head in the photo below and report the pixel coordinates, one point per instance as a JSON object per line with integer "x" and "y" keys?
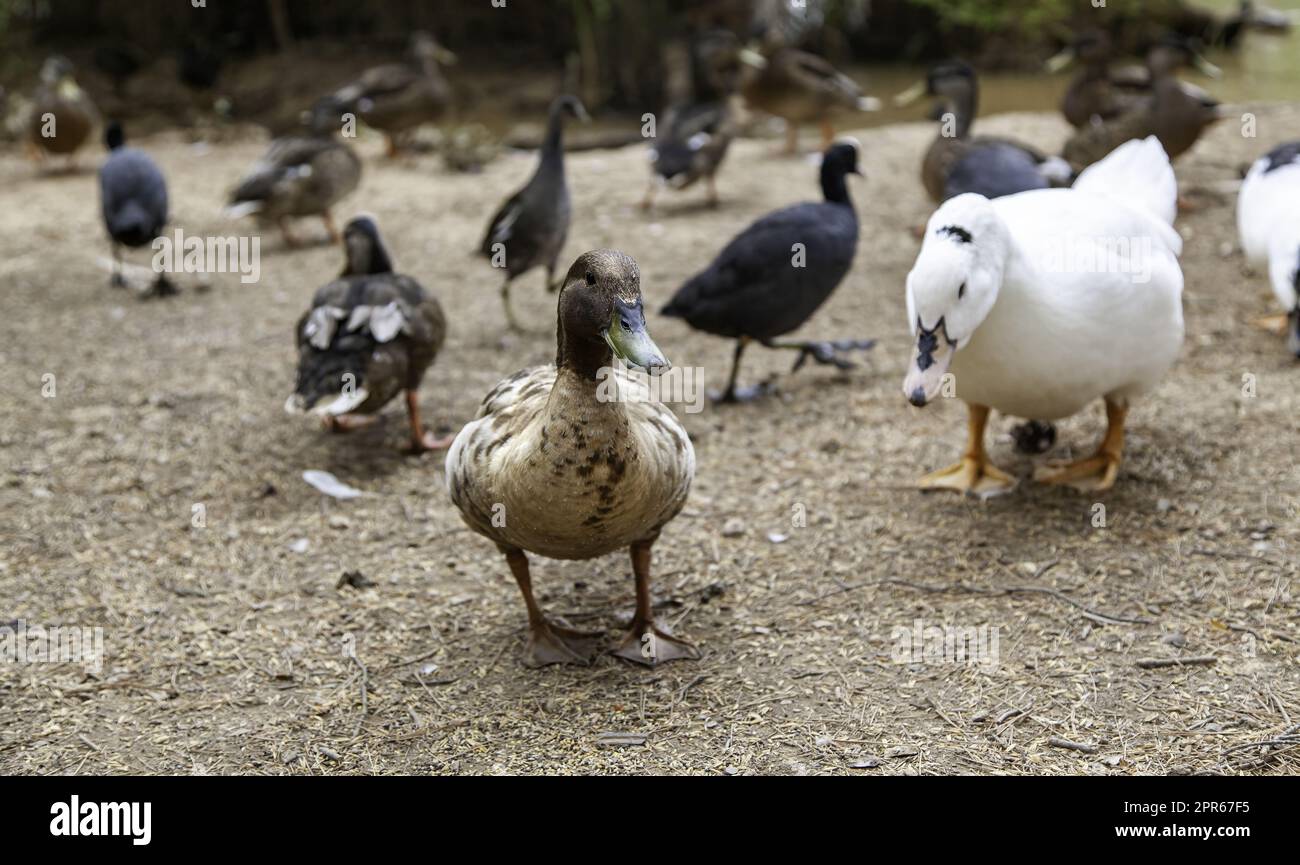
{"x": 602, "y": 316}
{"x": 839, "y": 161}
{"x": 114, "y": 137}
{"x": 952, "y": 288}
{"x": 426, "y": 49}
{"x": 571, "y": 106}
{"x": 56, "y": 69}
{"x": 1091, "y": 48}
{"x": 1173, "y": 52}
{"x": 952, "y": 80}
{"x": 364, "y": 248}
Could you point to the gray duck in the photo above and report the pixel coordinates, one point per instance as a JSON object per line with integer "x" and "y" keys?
{"x": 958, "y": 162}
{"x": 300, "y": 175}
{"x": 133, "y": 203}
{"x": 530, "y": 227}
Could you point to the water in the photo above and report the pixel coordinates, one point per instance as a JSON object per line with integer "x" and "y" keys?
{"x": 1265, "y": 67}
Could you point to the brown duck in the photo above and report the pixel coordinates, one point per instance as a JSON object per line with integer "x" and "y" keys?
{"x": 369, "y": 335}
{"x": 1175, "y": 112}
{"x": 800, "y": 88}
{"x": 62, "y": 115}
{"x": 401, "y": 96}
{"x": 574, "y": 461}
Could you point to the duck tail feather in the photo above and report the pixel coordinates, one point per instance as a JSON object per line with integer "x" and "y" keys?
{"x": 1139, "y": 174}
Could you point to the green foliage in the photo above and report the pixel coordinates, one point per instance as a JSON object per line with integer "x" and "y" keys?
{"x": 992, "y": 15}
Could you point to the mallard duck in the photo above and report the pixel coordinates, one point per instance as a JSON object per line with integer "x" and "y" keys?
{"x": 956, "y": 162}
{"x": 755, "y": 291}
{"x": 694, "y": 137}
{"x": 574, "y": 461}
{"x": 1096, "y": 94}
{"x": 1175, "y": 112}
{"x": 133, "y": 201}
{"x": 401, "y": 96}
{"x": 300, "y": 175}
{"x": 800, "y": 88}
{"x": 1268, "y": 221}
{"x": 368, "y": 335}
{"x": 1041, "y": 302}
{"x": 692, "y": 145}
{"x": 530, "y": 228}
{"x": 61, "y": 116}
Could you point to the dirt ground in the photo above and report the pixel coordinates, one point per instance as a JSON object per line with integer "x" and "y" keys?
{"x": 226, "y": 643}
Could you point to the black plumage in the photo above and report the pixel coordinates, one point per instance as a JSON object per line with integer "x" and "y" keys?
{"x": 530, "y": 228}
{"x": 1283, "y": 154}
{"x": 775, "y": 274}
{"x": 133, "y": 201}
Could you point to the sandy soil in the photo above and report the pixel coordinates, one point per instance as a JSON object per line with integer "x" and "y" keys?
{"x": 225, "y": 643}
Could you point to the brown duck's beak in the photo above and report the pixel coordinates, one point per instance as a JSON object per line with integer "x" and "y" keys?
{"x": 1205, "y": 67}
{"x": 1060, "y": 60}
{"x": 911, "y": 94}
{"x": 931, "y": 358}
{"x": 628, "y": 339}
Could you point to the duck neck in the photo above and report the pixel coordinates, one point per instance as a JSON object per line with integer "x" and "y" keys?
{"x": 553, "y": 145}
{"x": 963, "y": 101}
{"x": 835, "y": 187}
{"x": 584, "y": 399}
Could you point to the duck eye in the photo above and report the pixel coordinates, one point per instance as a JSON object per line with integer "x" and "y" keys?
{"x": 961, "y": 292}
{"x": 627, "y": 325}
{"x": 591, "y": 279}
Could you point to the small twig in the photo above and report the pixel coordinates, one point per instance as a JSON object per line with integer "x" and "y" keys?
{"x": 1193, "y": 661}
{"x": 1082, "y": 747}
{"x": 365, "y": 701}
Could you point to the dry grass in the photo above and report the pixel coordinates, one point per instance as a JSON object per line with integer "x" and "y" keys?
{"x": 225, "y": 646}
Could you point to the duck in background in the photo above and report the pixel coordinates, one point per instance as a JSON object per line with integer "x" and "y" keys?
{"x": 369, "y": 335}
{"x": 799, "y": 88}
{"x": 1002, "y": 296}
{"x": 1175, "y": 112}
{"x": 133, "y": 202}
{"x": 300, "y": 175}
{"x": 696, "y": 134}
{"x": 775, "y": 274}
{"x": 1268, "y": 222}
{"x": 61, "y": 116}
{"x": 399, "y": 97}
{"x": 530, "y": 227}
{"x": 1098, "y": 93}
{"x": 957, "y": 162}
{"x": 575, "y": 461}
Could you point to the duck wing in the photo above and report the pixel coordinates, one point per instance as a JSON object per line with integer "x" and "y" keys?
{"x": 285, "y": 159}
{"x": 754, "y": 287}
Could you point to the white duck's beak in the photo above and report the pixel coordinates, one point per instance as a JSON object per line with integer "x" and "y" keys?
{"x": 931, "y": 358}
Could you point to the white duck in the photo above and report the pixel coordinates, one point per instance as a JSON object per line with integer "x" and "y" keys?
{"x": 1268, "y": 220}
{"x": 1043, "y": 301}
